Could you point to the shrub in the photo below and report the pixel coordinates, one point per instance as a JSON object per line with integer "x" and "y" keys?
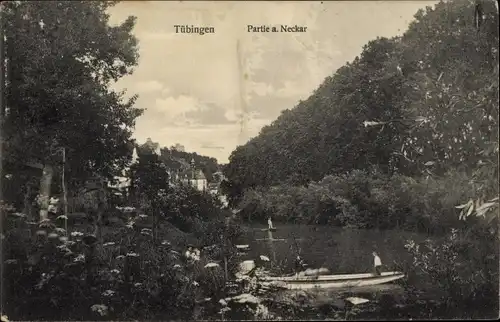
{"x": 362, "y": 200}
{"x": 463, "y": 266}
{"x": 129, "y": 276}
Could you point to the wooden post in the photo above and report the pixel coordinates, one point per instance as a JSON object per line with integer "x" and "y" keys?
{"x": 2, "y": 103}
{"x": 65, "y": 192}
{"x": 27, "y": 201}
{"x": 226, "y": 275}
{"x": 2, "y": 109}
{"x": 271, "y": 245}
{"x": 44, "y": 194}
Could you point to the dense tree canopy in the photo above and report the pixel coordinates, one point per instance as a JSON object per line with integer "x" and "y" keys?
{"x": 176, "y": 160}
{"x": 61, "y": 61}
{"x": 415, "y": 105}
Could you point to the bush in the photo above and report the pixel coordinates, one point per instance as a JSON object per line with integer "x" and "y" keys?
{"x": 463, "y": 266}
{"x": 129, "y": 276}
{"x": 363, "y": 200}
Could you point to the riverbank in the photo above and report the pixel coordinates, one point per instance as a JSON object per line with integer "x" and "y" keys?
{"x": 344, "y": 250}
{"x": 124, "y": 273}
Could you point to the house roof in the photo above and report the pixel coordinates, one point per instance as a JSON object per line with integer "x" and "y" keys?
{"x": 198, "y": 175}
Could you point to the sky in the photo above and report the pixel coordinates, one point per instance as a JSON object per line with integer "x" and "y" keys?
{"x": 214, "y": 92}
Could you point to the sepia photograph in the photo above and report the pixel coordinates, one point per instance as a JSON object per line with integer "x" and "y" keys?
{"x": 249, "y": 160}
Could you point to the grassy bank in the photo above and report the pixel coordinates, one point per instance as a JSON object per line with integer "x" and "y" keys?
{"x": 129, "y": 275}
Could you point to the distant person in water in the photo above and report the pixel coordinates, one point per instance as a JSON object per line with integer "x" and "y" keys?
{"x": 270, "y": 223}
{"x": 377, "y": 263}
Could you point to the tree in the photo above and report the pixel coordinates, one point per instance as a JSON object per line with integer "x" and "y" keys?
{"x": 150, "y": 183}
{"x": 453, "y": 87}
{"x": 177, "y": 160}
{"x": 415, "y": 105}
{"x": 61, "y": 60}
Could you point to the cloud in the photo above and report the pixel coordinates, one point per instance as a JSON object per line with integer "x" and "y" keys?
{"x": 148, "y": 86}
{"x": 208, "y": 146}
{"x": 260, "y": 89}
{"x": 156, "y": 36}
{"x": 189, "y": 111}
{"x": 290, "y": 89}
{"x": 209, "y": 114}
{"x": 175, "y": 109}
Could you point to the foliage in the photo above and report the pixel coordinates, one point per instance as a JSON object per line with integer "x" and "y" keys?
{"x": 365, "y": 200}
{"x": 149, "y": 175}
{"x": 223, "y": 235}
{"x": 149, "y": 180}
{"x": 180, "y": 204}
{"x": 177, "y": 160}
{"x": 59, "y": 86}
{"x": 129, "y": 276}
{"x": 417, "y": 105}
{"x": 187, "y": 207}
{"x": 463, "y": 266}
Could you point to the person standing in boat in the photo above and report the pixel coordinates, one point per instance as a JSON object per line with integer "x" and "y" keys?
{"x": 377, "y": 263}
{"x": 299, "y": 265}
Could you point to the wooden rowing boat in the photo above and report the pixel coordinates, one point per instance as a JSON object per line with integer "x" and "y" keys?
{"x": 331, "y": 281}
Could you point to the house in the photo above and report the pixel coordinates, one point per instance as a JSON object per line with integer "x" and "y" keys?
{"x": 199, "y": 181}
{"x": 195, "y": 178}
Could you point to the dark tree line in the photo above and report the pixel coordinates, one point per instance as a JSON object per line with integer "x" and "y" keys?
{"x": 176, "y": 160}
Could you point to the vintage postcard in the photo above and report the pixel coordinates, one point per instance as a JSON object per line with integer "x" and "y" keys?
{"x": 249, "y": 160}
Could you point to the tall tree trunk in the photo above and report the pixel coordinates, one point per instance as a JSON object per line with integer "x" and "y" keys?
{"x": 155, "y": 223}
{"x": 45, "y": 185}
{"x": 98, "y": 225}
{"x": 27, "y": 202}
{"x": 101, "y": 208}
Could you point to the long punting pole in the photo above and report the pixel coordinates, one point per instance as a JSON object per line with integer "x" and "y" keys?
{"x": 65, "y": 191}
{"x": 2, "y": 109}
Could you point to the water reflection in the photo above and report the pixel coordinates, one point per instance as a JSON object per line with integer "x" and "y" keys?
{"x": 342, "y": 251}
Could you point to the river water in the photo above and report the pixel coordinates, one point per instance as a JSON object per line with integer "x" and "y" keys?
{"x": 342, "y": 251}
{"x": 347, "y": 251}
